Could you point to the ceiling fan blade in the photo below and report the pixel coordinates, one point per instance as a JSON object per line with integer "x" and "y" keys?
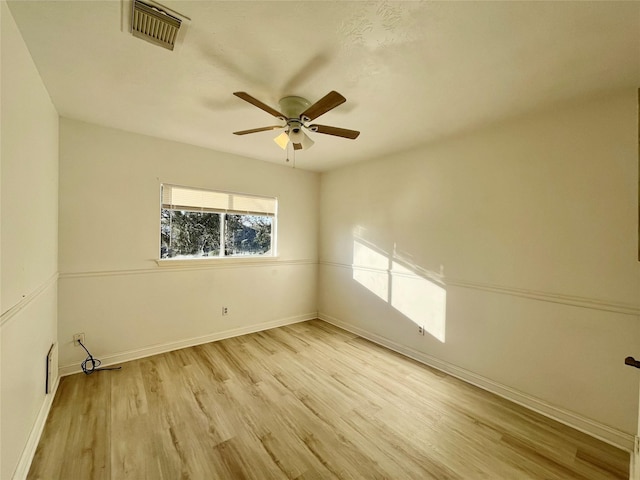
{"x": 297, "y": 146}
{"x": 335, "y": 131}
{"x": 330, "y": 101}
{"x": 255, "y": 130}
{"x": 257, "y": 103}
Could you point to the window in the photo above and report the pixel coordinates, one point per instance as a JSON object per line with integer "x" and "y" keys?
{"x": 197, "y": 223}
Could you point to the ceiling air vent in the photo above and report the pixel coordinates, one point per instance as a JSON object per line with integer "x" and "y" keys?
{"x": 154, "y": 25}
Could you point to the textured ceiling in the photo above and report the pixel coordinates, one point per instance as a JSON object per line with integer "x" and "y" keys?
{"x": 412, "y": 72}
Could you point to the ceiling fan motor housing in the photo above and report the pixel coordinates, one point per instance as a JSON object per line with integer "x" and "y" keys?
{"x": 292, "y": 107}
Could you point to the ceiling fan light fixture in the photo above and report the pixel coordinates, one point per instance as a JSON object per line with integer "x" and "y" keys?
{"x": 282, "y": 140}
{"x": 296, "y": 135}
{"x": 306, "y": 141}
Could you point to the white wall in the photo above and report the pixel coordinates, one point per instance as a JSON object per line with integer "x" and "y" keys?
{"x": 29, "y": 226}
{"x": 111, "y": 287}
{"x": 519, "y": 241}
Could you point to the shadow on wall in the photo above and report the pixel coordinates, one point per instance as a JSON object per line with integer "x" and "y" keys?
{"x": 418, "y": 295}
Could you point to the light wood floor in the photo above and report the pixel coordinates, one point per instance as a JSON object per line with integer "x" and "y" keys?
{"x": 307, "y": 401}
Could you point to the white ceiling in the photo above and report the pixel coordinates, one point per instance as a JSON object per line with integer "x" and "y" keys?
{"x": 412, "y": 72}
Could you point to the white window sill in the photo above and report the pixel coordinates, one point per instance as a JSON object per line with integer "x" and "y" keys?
{"x": 215, "y": 261}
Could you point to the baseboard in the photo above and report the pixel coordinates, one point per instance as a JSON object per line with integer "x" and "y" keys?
{"x": 598, "y": 430}
{"x": 189, "y": 342}
{"x": 634, "y": 466}
{"x": 24, "y": 463}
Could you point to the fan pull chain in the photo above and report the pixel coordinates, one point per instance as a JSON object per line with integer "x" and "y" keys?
{"x": 293, "y": 150}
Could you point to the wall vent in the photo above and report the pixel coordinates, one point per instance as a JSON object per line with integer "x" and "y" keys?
{"x": 154, "y": 25}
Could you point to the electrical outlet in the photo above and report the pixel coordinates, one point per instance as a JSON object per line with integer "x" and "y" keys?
{"x": 420, "y": 330}
{"x": 77, "y": 338}
{"x": 225, "y": 311}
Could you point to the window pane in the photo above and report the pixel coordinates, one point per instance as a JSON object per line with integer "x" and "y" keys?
{"x": 189, "y": 234}
{"x": 247, "y": 235}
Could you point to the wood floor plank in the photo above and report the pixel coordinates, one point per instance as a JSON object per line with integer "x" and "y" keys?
{"x": 88, "y": 435}
{"x": 306, "y": 401}
{"x": 47, "y": 461}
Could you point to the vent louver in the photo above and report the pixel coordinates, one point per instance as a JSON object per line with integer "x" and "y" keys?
{"x": 154, "y": 25}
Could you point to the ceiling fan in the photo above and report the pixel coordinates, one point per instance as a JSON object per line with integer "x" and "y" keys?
{"x": 297, "y": 113}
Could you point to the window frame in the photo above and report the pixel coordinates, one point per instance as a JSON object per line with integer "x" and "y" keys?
{"x": 222, "y": 212}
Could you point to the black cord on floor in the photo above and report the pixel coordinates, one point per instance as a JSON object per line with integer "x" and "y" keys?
{"x": 90, "y": 364}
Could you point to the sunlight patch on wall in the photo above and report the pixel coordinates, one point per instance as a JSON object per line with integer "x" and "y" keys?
{"x": 371, "y": 270}
{"x": 419, "y": 299}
